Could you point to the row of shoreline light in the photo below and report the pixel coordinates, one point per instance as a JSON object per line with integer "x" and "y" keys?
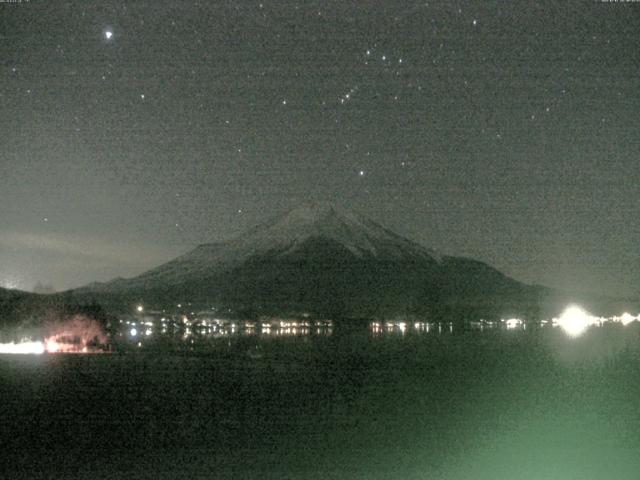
{"x": 574, "y": 321}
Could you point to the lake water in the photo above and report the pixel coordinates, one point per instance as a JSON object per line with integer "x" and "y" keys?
{"x": 496, "y": 404}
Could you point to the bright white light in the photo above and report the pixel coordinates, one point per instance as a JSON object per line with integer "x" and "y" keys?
{"x": 627, "y": 318}
{"x": 574, "y": 321}
{"x": 148, "y": 332}
{"x": 513, "y": 323}
{"x": 108, "y": 34}
{"x": 133, "y": 332}
{"x": 24, "y": 348}
{"x": 140, "y": 308}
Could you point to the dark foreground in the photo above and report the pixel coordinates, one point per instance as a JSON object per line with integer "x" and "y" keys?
{"x": 493, "y": 405}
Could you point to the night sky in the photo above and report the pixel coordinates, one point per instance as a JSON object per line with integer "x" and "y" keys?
{"x": 507, "y": 131}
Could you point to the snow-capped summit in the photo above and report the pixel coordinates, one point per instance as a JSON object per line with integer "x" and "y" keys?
{"x": 284, "y": 235}
{"x": 317, "y": 258}
{"x": 324, "y": 220}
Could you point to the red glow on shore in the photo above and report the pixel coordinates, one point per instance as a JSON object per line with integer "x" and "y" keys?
{"x": 53, "y": 346}
{"x": 78, "y": 334}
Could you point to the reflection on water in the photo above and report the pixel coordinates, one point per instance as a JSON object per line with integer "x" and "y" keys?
{"x": 197, "y": 330}
{"x": 402, "y": 398}
{"x": 574, "y": 321}
{"x": 394, "y": 399}
{"x": 145, "y": 330}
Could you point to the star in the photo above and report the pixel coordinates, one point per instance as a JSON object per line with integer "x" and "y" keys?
{"x": 361, "y": 173}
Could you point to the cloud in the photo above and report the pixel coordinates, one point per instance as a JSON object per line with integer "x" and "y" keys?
{"x": 85, "y": 248}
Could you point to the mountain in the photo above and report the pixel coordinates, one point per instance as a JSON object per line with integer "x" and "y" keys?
{"x": 10, "y": 298}
{"x": 286, "y": 236}
{"x": 323, "y": 260}
{"x": 15, "y": 305}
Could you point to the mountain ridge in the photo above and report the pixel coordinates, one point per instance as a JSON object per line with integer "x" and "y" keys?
{"x": 284, "y": 232}
{"x": 322, "y": 260}
{"x": 317, "y": 258}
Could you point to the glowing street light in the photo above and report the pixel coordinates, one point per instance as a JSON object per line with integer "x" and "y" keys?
{"x": 512, "y": 323}
{"x": 574, "y": 321}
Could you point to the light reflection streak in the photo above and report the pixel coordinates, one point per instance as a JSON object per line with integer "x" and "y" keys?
{"x": 22, "y": 348}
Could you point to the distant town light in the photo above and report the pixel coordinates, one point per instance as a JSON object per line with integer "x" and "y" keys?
{"x": 627, "y": 318}
{"x": 140, "y": 308}
{"x": 513, "y": 323}
{"x": 133, "y": 332}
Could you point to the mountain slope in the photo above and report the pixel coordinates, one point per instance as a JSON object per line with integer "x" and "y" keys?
{"x": 322, "y": 260}
{"x": 282, "y": 236}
